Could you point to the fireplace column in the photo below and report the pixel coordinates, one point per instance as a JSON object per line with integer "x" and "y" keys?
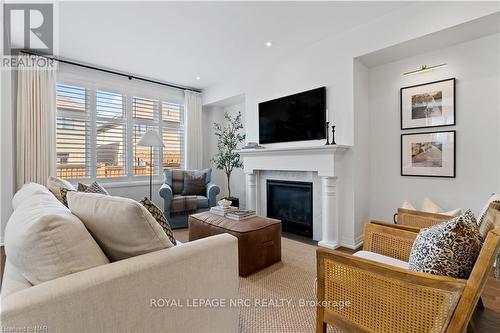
{"x": 251, "y": 194}
{"x": 329, "y": 212}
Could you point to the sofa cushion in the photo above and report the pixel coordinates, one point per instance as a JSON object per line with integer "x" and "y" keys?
{"x": 194, "y": 185}
{"x": 44, "y": 241}
{"x": 449, "y": 248}
{"x": 13, "y": 281}
{"x": 55, "y": 184}
{"x": 202, "y": 201}
{"x": 381, "y": 259}
{"x": 159, "y": 217}
{"x": 26, "y": 193}
{"x": 121, "y": 226}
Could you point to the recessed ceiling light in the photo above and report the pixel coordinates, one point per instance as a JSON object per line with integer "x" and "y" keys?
{"x": 269, "y": 44}
{"x": 198, "y": 78}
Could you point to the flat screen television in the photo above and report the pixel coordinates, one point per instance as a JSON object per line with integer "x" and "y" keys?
{"x": 297, "y": 117}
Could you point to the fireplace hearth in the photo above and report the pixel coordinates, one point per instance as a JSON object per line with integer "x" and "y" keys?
{"x": 292, "y": 203}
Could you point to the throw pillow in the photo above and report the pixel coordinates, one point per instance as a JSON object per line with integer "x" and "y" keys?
{"x": 449, "y": 248}
{"x": 44, "y": 241}
{"x": 430, "y": 207}
{"x": 64, "y": 195}
{"x": 160, "y": 218}
{"x": 407, "y": 205}
{"x": 92, "y": 188}
{"x": 55, "y": 184}
{"x": 194, "y": 185}
{"x": 453, "y": 213}
{"x": 491, "y": 219}
{"x": 122, "y": 227}
{"x": 494, "y": 198}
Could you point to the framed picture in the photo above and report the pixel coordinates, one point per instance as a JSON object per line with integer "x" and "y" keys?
{"x": 430, "y": 154}
{"x": 428, "y": 105}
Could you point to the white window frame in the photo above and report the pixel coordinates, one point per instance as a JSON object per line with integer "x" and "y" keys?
{"x": 93, "y": 81}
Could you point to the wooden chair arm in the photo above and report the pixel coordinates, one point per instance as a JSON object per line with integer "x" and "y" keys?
{"x": 419, "y": 219}
{"x": 360, "y": 295}
{"x": 397, "y": 226}
{"x": 389, "y": 239}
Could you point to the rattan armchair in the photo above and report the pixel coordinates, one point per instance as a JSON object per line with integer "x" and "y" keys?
{"x": 360, "y": 295}
{"x": 418, "y": 218}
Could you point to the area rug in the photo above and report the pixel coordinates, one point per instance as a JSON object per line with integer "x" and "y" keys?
{"x": 280, "y": 298}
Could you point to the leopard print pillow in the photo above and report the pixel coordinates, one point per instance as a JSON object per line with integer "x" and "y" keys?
{"x": 449, "y": 248}
{"x": 160, "y": 218}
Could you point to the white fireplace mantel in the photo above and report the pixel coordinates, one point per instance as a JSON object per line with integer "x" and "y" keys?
{"x": 318, "y": 159}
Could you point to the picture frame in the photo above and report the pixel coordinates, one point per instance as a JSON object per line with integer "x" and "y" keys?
{"x": 426, "y": 105}
{"x": 429, "y": 154}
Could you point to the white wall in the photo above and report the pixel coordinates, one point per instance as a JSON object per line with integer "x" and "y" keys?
{"x": 329, "y": 62}
{"x": 475, "y": 65}
{"x": 213, "y": 115}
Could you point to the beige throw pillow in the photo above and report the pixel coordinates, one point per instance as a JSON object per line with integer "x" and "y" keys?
{"x": 430, "y": 207}
{"x": 55, "y": 184}
{"x": 407, "y": 205}
{"x": 44, "y": 241}
{"x": 491, "y": 219}
{"x": 122, "y": 227}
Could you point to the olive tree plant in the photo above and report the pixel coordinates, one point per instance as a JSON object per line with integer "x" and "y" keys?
{"x": 228, "y": 139}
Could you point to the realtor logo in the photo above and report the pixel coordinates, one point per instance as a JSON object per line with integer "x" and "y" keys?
{"x": 28, "y": 27}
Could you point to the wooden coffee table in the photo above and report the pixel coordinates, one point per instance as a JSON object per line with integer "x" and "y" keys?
{"x": 259, "y": 238}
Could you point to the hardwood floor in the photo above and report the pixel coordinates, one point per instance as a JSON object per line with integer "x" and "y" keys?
{"x": 486, "y": 320}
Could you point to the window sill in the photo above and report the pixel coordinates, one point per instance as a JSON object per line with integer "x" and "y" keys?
{"x": 106, "y": 183}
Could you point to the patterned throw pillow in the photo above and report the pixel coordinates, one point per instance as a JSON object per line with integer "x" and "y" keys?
{"x": 92, "y": 188}
{"x": 159, "y": 217}
{"x": 194, "y": 185}
{"x": 490, "y": 220}
{"x": 64, "y": 194}
{"x": 493, "y": 199}
{"x": 449, "y": 248}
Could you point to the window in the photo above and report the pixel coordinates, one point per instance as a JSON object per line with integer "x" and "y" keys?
{"x": 72, "y": 132}
{"x": 98, "y": 131}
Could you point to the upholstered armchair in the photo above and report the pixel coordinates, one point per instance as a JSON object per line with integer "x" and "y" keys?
{"x": 374, "y": 291}
{"x": 171, "y": 192}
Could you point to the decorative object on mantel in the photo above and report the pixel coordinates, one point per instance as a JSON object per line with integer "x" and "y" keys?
{"x": 327, "y": 134}
{"x": 430, "y": 154}
{"x": 428, "y": 105}
{"x": 333, "y": 136}
{"x": 227, "y": 157}
{"x": 424, "y": 69}
{"x": 253, "y": 145}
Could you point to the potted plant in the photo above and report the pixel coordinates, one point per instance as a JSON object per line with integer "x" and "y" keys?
{"x": 228, "y": 139}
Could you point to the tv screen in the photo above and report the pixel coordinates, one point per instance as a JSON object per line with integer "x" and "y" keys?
{"x": 297, "y": 117}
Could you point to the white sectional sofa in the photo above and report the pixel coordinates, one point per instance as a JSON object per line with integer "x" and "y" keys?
{"x": 152, "y": 292}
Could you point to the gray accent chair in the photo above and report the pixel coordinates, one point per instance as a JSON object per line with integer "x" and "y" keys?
{"x": 172, "y": 188}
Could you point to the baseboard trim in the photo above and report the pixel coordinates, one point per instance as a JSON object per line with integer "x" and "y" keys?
{"x": 348, "y": 243}
{"x": 328, "y": 244}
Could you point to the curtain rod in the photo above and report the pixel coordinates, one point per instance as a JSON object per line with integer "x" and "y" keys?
{"x": 109, "y": 71}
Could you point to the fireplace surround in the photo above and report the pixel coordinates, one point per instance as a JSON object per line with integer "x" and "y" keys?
{"x": 292, "y": 203}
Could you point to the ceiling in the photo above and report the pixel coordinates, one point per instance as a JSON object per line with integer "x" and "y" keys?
{"x": 178, "y": 41}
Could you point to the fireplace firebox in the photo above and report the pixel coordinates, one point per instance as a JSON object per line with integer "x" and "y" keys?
{"x": 291, "y": 202}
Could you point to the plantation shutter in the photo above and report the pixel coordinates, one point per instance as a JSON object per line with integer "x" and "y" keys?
{"x": 72, "y": 132}
{"x": 110, "y": 134}
{"x": 173, "y": 135}
{"x": 145, "y": 116}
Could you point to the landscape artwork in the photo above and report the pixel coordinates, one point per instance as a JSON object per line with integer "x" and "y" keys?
{"x": 428, "y": 105}
{"x": 429, "y": 154}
